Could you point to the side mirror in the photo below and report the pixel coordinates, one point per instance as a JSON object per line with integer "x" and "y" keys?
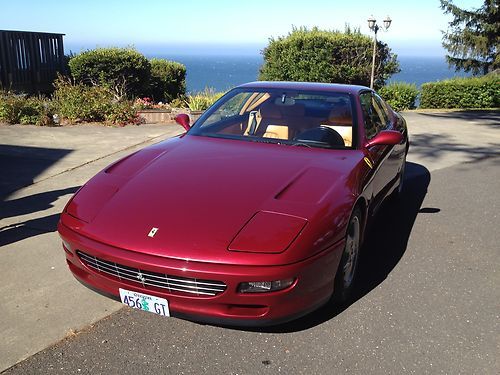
{"x": 183, "y": 120}
{"x": 385, "y": 137}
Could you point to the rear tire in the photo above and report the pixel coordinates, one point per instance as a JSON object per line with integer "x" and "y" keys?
{"x": 346, "y": 271}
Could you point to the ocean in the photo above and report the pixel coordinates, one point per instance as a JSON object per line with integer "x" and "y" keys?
{"x": 224, "y": 72}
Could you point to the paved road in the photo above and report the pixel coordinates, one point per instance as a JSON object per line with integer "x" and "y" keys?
{"x": 428, "y": 301}
{"x": 41, "y": 168}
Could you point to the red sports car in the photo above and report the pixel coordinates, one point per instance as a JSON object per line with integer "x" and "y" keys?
{"x": 254, "y": 216}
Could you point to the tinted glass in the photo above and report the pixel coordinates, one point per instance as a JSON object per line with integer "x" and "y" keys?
{"x": 382, "y": 110}
{"x": 373, "y": 115}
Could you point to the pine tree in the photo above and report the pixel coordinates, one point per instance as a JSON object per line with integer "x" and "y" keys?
{"x": 473, "y": 37}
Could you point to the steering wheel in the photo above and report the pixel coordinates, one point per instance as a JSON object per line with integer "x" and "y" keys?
{"x": 321, "y": 134}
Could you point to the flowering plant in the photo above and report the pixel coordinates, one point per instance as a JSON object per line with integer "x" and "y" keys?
{"x": 148, "y": 103}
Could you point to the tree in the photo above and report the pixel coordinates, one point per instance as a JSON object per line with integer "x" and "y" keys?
{"x": 168, "y": 80}
{"x": 473, "y": 37}
{"x": 124, "y": 70}
{"x": 327, "y": 56}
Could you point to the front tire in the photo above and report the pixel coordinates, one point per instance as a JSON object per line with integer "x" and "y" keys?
{"x": 346, "y": 271}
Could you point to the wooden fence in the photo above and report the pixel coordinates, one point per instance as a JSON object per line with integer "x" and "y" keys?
{"x": 29, "y": 61}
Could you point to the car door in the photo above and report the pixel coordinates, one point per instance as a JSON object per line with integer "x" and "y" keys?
{"x": 374, "y": 121}
{"x": 395, "y": 154}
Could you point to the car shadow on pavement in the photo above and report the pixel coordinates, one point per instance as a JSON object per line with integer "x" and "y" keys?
{"x": 384, "y": 246}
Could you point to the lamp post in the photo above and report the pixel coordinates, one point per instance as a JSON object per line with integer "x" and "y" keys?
{"x": 372, "y": 24}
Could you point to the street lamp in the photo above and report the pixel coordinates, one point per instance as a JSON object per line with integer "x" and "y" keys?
{"x": 372, "y": 24}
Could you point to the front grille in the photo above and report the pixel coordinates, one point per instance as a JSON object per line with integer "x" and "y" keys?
{"x": 174, "y": 284}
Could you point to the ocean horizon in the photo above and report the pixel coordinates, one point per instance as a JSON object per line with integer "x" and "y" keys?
{"x": 226, "y": 71}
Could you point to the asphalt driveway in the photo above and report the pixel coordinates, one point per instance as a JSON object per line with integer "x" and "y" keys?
{"x": 428, "y": 301}
{"x": 41, "y": 168}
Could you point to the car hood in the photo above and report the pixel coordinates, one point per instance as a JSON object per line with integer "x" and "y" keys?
{"x": 200, "y": 192}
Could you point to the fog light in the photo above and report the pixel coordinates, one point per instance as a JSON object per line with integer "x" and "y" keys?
{"x": 264, "y": 286}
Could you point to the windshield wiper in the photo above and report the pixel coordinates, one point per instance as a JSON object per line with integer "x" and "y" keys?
{"x": 300, "y": 144}
{"x": 262, "y": 140}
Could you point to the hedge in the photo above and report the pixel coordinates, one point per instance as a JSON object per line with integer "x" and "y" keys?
{"x": 168, "y": 80}
{"x": 400, "y": 95}
{"x": 481, "y": 92}
{"x": 124, "y": 70}
{"x": 326, "y": 56}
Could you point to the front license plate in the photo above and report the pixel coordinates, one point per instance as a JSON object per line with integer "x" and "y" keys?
{"x": 145, "y": 302}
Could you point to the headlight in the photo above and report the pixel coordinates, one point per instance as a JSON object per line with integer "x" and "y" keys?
{"x": 67, "y": 247}
{"x": 264, "y": 286}
{"x": 268, "y": 233}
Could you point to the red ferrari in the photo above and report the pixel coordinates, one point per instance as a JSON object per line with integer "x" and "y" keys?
{"x": 254, "y": 216}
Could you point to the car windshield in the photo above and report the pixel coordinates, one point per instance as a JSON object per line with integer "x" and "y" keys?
{"x": 311, "y": 119}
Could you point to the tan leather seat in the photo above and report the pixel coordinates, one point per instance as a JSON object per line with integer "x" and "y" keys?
{"x": 272, "y": 124}
{"x": 340, "y": 120}
{"x": 282, "y": 121}
{"x": 279, "y": 122}
{"x": 276, "y": 131}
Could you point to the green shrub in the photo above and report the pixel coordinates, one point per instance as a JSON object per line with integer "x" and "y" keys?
{"x": 123, "y": 113}
{"x": 168, "y": 80}
{"x": 399, "y": 95}
{"x": 77, "y": 102}
{"x": 10, "y": 107}
{"x": 480, "y": 92}
{"x": 36, "y": 111}
{"x": 326, "y": 56}
{"x": 124, "y": 70}
{"x": 197, "y": 103}
{"x": 202, "y": 100}
{"x": 178, "y": 103}
{"x": 18, "y": 109}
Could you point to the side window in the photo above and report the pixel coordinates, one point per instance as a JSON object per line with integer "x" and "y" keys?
{"x": 372, "y": 115}
{"x": 382, "y": 110}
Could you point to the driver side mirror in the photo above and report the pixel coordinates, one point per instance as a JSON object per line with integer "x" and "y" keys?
{"x": 183, "y": 120}
{"x": 386, "y": 138}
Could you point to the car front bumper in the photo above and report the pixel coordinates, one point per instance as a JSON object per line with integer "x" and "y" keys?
{"x": 313, "y": 284}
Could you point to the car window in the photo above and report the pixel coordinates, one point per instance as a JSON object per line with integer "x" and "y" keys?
{"x": 230, "y": 108}
{"x": 382, "y": 110}
{"x": 374, "y": 120}
{"x": 286, "y": 117}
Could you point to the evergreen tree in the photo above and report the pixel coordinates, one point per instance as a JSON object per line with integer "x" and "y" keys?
{"x": 473, "y": 37}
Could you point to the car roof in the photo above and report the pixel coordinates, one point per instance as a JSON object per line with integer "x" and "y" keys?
{"x": 307, "y": 86}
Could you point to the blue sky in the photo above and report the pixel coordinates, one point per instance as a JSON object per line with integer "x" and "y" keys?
{"x": 223, "y": 26}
